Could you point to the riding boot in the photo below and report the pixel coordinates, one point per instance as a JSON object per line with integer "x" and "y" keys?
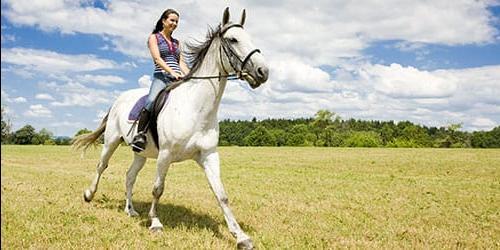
{"x": 139, "y": 141}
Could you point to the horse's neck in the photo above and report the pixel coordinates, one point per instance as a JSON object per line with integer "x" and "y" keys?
{"x": 206, "y": 94}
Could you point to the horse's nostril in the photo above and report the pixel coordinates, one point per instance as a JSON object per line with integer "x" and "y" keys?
{"x": 262, "y": 73}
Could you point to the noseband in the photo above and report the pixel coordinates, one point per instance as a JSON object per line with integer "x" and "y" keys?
{"x": 232, "y": 55}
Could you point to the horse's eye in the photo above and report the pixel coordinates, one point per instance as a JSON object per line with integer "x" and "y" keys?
{"x": 233, "y": 40}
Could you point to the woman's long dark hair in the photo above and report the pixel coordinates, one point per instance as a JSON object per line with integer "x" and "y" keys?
{"x": 159, "y": 23}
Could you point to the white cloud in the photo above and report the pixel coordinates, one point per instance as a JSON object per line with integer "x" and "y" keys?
{"x": 8, "y": 38}
{"x": 5, "y": 95}
{"x": 235, "y": 93}
{"x": 481, "y": 123}
{"x": 408, "y": 82}
{"x": 297, "y": 38}
{"x": 19, "y": 100}
{"x": 476, "y": 85}
{"x": 67, "y": 124}
{"x": 294, "y": 75}
{"x": 380, "y": 92}
{"x": 7, "y": 98}
{"x": 75, "y": 94}
{"x": 144, "y": 81}
{"x": 52, "y": 62}
{"x": 434, "y": 98}
{"x": 44, "y": 96}
{"x": 319, "y": 31}
{"x": 103, "y": 80}
{"x": 38, "y": 110}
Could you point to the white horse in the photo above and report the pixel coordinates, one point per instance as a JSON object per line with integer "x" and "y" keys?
{"x": 187, "y": 124}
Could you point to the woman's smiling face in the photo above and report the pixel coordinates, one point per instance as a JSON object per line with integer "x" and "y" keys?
{"x": 170, "y": 23}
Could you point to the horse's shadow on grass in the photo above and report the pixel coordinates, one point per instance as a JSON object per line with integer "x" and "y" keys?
{"x": 172, "y": 216}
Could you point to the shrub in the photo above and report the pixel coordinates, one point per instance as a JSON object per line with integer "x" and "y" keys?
{"x": 363, "y": 139}
{"x": 402, "y": 143}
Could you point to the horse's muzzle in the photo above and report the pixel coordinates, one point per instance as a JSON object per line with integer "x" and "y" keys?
{"x": 258, "y": 77}
{"x": 262, "y": 73}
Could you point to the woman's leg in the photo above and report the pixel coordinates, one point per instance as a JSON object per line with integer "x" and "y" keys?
{"x": 156, "y": 86}
{"x": 139, "y": 141}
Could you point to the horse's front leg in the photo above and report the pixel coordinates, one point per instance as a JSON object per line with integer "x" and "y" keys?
{"x": 162, "y": 165}
{"x": 132, "y": 172}
{"x": 210, "y": 162}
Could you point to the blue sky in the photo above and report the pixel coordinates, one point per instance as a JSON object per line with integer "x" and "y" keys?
{"x": 430, "y": 62}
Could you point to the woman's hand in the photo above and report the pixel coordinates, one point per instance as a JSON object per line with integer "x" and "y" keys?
{"x": 176, "y": 76}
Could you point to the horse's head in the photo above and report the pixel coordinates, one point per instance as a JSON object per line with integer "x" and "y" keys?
{"x": 239, "y": 55}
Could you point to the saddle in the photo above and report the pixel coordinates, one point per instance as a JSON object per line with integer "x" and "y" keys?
{"x": 158, "y": 103}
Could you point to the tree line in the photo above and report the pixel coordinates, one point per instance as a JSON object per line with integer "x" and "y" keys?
{"x": 325, "y": 129}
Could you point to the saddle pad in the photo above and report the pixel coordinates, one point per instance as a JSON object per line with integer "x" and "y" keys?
{"x": 160, "y": 100}
{"x": 136, "y": 110}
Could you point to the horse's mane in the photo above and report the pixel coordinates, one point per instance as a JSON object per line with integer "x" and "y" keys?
{"x": 197, "y": 50}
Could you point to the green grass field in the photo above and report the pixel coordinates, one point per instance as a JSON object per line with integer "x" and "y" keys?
{"x": 284, "y": 198}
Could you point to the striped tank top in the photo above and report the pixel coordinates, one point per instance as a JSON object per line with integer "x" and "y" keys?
{"x": 170, "y": 53}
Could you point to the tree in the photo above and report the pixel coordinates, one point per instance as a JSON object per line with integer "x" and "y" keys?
{"x": 486, "y": 139}
{"x": 323, "y": 127}
{"x": 494, "y": 138}
{"x": 299, "y": 135}
{"x": 454, "y": 138}
{"x": 24, "y": 135}
{"x": 233, "y": 132}
{"x": 49, "y": 142}
{"x": 42, "y": 136}
{"x": 62, "y": 140}
{"x": 82, "y": 132}
{"x": 387, "y": 133}
{"x": 260, "y": 137}
{"x": 6, "y": 128}
{"x": 322, "y": 119}
{"x": 280, "y": 136}
{"x": 415, "y": 134}
{"x": 331, "y": 137}
{"x": 363, "y": 139}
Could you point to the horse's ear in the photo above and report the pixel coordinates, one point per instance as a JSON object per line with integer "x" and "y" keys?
{"x": 225, "y": 17}
{"x": 243, "y": 16}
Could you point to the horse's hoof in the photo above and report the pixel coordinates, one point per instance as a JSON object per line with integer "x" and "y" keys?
{"x": 245, "y": 244}
{"x": 132, "y": 213}
{"x": 156, "y": 225}
{"x": 87, "y": 196}
{"x": 156, "y": 229}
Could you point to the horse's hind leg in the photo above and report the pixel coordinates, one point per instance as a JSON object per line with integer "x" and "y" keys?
{"x": 136, "y": 166}
{"x": 107, "y": 151}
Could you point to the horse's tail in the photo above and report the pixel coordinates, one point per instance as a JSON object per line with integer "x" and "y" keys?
{"x": 85, "y": 140}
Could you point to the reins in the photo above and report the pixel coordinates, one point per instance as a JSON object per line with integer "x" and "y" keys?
{"x": 183, "y": 80}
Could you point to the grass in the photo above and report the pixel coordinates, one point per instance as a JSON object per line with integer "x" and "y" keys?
{"x": 284, "y": 198}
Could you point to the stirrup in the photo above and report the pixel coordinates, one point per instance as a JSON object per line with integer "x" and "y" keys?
{"x": 139, "y": 143}
{"x": 136, "y": 148}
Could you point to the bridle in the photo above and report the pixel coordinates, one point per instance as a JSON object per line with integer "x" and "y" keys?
{"x": 232, "y": 57}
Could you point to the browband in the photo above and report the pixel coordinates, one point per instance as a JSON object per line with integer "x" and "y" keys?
{"x": 225, "y": 28}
